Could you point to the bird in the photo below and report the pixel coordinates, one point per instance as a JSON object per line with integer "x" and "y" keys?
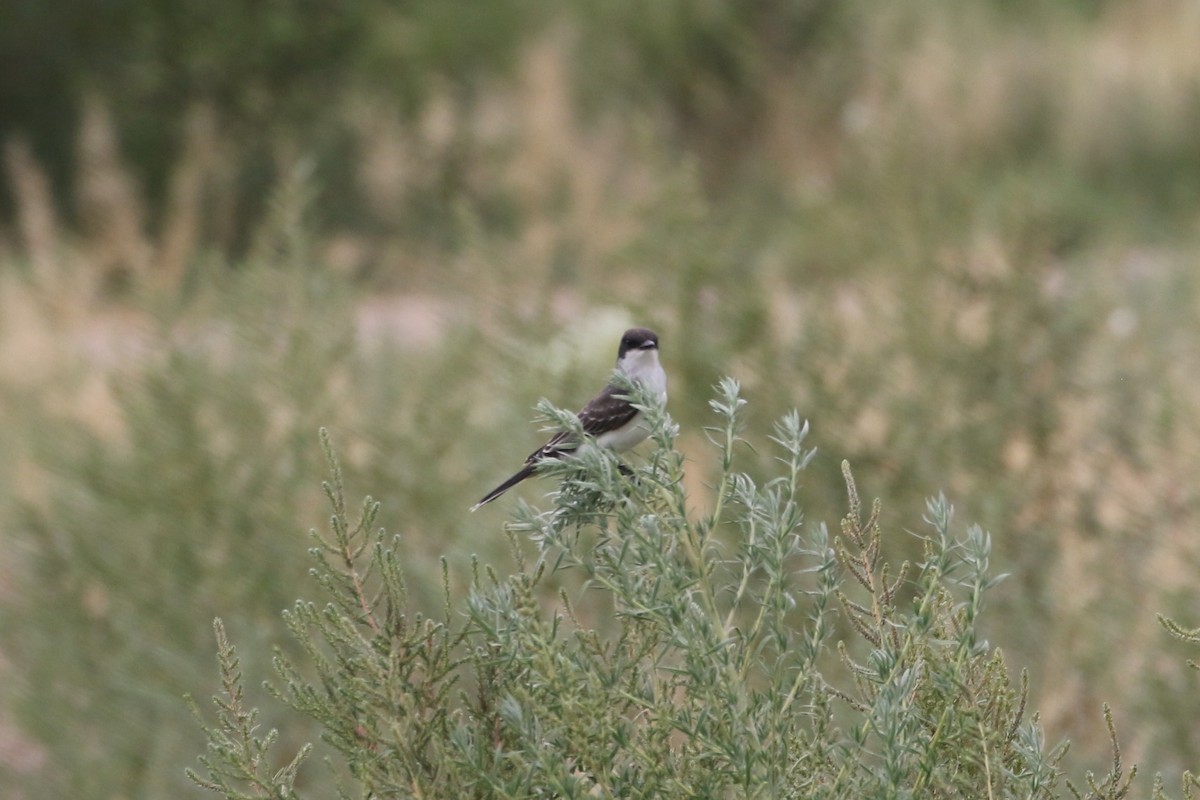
{"x": 610, "y": 417}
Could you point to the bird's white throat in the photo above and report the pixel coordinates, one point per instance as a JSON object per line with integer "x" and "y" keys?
{"x": 641, "y": 366}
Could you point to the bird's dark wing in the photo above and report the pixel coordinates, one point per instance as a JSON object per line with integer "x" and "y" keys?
{"x": 606, "y": 411}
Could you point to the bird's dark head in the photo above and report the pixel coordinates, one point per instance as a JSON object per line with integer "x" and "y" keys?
{"x": 637, "y": 339}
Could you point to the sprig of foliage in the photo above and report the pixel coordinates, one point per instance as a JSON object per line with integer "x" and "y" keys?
{"x": 1191, "y": 636}
{"x": 1190, "y": 779}
{"x": 384, "y": 674}
{"x": 936, "y": 710}
{"x": 695, "y": 661}
{"x": 236, "y": 761}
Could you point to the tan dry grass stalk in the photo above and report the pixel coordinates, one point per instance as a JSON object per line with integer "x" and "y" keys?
{"x": 37, "y": 221}
{"x": 110, "y": 202}
{"x": 185, "y": 197}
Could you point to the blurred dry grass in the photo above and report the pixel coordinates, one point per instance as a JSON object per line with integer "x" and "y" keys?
{"x": 978, "y": 274}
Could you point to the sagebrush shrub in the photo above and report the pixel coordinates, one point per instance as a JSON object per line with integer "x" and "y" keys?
{"x": 715, "y": 669}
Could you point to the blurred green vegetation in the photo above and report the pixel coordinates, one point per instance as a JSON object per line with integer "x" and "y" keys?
{"x": 960, "y": 238}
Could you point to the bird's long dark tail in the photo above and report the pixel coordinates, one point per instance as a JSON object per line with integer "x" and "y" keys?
{"x": 525, "y": 472}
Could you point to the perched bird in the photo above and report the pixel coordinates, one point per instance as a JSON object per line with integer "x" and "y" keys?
{"x": 609, "y": 417}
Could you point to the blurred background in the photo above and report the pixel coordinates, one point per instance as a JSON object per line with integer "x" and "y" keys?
{"x": 962, "y": 238}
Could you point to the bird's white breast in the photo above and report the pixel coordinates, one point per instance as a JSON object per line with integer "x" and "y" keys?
{"x": 642, "y": 367}
{"x": 630, "y": 435}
